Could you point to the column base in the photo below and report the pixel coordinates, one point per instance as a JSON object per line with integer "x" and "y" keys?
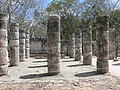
{"x": 102, "y": 66}
{"x": 87, "y": 59}
{"x": 3, "y": 70}
{"x": 53, "y": 70}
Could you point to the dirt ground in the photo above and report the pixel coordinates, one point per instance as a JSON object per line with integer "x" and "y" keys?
{"x": 32, "y": 75}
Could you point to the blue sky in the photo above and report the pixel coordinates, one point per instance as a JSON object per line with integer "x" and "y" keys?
{"x": 47, "y": 2}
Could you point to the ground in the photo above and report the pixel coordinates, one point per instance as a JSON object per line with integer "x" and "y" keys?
{"x": 32, "y": 75}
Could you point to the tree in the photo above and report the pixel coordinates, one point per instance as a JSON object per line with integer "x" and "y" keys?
{"x": 69, "y": 10}
{"x": 20, "y": 11}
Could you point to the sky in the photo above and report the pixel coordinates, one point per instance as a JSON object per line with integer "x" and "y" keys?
{"x": 47, "y": 2}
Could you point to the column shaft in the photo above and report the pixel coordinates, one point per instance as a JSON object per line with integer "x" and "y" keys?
{"x": 87, "y": 46}
{"x": 3, "y": 44}
{"x": 63, "y": 49}
{"x": 53, "y": 45}
{"x": 71, "y": 48}
{"x": 102, "y": 42}
{"x": 14, "y": 44}
{"x": 22, "y": 45}
{"x": 78, "y": 45}
{"x": 27, "y": 42}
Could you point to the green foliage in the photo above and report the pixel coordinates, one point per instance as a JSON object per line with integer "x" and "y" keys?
{"x": 69, "y": 15}
{"x": 115, "y": 17}
{"x": 93, "y": 9}
{"x": 75, "y": 14}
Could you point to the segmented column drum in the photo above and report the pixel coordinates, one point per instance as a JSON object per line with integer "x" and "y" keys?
{"x": 53, "y": 45}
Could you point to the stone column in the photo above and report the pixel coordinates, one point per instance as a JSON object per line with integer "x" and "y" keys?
{"x": 94, "y": 48}
{"x": 67, "y": 48}
{"x": 102, "y": 42}
{"x": 63, "y": 49}
{"x": 116, "y": 42}
{"x": 22, "y": 45}
{"x": 87, "y": 46}
{"x": 14, "y": 44}
{"x": 27, "y": 45}
{"x": 53, "y": 45}
{"x": 111, "y": 42}
{"x": 3, "y": 44}
{"x": 78, "y": 45}
{"x": 71, "y": 48}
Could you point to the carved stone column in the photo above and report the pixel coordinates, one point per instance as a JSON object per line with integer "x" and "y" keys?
{"x": 14, "y": 44}
{"x": 71, "y": 48}
{"x": 78, "y": 45}
{"x": 53, "y": 45}
{"x": 102, "y": 41}
{"x": 87, "y": 46}
{"x": 111, "y": 42}
{"x": 63, "y": 49}
{"x": 3, "y": 44}
{"x": 22, "y": 45}
{"x": 27, "y": 44}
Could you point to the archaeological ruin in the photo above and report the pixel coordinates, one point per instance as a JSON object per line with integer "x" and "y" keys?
{"x": 79, "y": 46}
{"x": 59, "y": 44}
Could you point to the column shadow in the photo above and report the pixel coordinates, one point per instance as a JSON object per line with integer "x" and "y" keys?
{"x": 69, "y": 61}
{"x": 117, "y": 64}
{"x": 87, "y": 74}
{"x": 76, "y": 65}
{"x": 38, "y": 66}
{"x": 38, "y": 61}
{"x": 32, "y": 76}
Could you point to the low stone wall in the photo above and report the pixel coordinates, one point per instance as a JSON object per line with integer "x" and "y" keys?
{"x": 38, "y": 45}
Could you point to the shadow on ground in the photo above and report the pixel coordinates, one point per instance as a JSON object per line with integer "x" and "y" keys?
{"x": 38, "y": 66}
{"x": 76, "y": 65}
{"x": 38, "y": 61}
{"x": 86, "y": 74}
{"x": 117, "y": 64}
{"x": 69, "y": 61}
{"x": 32, "y": 76}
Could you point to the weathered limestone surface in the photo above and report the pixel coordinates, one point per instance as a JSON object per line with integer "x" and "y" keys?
{"x": 62, "y": 52}
{"x": 94, "y": 53}
{"x": 53, "y": 45}
{"x": 27, "y": 44}
{"x": 63, "y": 48}
{"x": 117, "y": 42}
{"x": 78, "y": 45}
{"x": 3, "y": 44}
{"x": 102, "y": 41}
{"x": 87, "y": 46}
{"x": 111, "y": 42}
{"x": 21, "y": 45}
{"x": 14, "y": 44}
{"x": 37, "y": 46}
{"x": 71, "y": 47}
{"x": 44, "y": 44}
